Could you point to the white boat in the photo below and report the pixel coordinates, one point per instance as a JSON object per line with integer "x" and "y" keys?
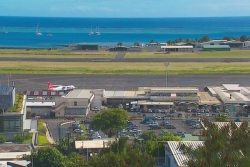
{"x": 91, "y": 32}
{"x": 38, "y": 33}
{"x": 97, "y": 31}
{"x": 50, "y": 35}
{"x": 4, "y": 30}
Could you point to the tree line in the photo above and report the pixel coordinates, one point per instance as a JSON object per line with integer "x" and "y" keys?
{"x": 205, "y": 38}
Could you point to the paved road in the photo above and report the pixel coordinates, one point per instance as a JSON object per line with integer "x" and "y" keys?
{"x": 122, "y": 82}
{"x": 120, "y": 58}
{"x": 120, "y": 55}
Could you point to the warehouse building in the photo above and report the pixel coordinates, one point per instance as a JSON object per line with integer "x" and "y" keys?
{"x": 119, "y": 48}
{"x": 177, "y": 48}
{"x": 89, "y": 47}
{"x": 216, "y": 48}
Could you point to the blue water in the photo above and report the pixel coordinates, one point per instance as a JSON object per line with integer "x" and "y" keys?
{"x": 21, "y": 30}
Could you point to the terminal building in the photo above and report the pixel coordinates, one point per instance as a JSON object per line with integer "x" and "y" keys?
{"x": 79, "y": 102}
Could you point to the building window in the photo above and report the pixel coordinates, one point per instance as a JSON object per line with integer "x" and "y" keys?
{"x": 53, "y": 93}
{"x": 44, "y": 93}
{"x": 36, "y": 93}
{"x": 75, "y": 103}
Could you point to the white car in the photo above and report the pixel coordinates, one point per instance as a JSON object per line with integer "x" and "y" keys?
{"x": 207, "y": 115}
{"x": 78, "y": 131}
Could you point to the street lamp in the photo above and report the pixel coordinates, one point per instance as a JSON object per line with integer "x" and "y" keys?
{"x": 166, "y": 65}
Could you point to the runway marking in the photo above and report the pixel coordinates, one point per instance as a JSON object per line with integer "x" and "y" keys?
{"x": 20, "y": 79}
{"x": 86, "y": 81}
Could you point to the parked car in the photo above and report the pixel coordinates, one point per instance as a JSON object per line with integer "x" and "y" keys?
{"x": 78, "y": 131}
{"x": 76, "y": 127}
{"x": 95, "y": 109}
{"x": 170, "y": 127}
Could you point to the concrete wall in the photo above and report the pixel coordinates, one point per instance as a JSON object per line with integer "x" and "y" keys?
{"x": 80, "y": 102}
{"x": 40, "y": 110}
{"x": 169, "y": 157}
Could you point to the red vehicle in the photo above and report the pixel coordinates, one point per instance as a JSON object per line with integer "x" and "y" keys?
{"x": 69, "y": 117}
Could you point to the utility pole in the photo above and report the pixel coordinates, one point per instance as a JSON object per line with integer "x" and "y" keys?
{"x": 166, "y": 65}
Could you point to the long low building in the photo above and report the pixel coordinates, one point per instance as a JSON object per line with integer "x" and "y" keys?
{"x": 177, "y": 48}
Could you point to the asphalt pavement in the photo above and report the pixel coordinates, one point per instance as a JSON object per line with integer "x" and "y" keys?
{"x": 122, "y": 82}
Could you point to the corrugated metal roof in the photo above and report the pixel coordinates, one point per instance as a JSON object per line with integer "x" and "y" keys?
{"x": 177, "y": 47}
{"x": 178, "y": 155}
{"x": 80, "y": 93}
{"x": 40, "y": 104}
{"x": 92, "y": 144}
{"x": 215, "y": 46}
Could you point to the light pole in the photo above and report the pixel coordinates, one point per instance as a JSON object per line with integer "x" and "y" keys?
{"x": 166, "y": 65}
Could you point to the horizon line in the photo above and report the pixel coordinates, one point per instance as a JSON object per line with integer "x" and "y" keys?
{"x": 129, "y": 17}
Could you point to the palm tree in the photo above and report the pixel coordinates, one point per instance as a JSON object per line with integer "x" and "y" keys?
{"x": 225, "y": 146}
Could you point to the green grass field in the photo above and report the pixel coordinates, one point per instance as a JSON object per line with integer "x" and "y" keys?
{"x": 212, "y": 54}
{"x": 18, "y": 53}
{"x": 121, "y": 68}
{"x": 42, "y": 139}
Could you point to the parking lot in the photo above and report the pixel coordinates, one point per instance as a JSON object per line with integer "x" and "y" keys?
{"x": 174, "y": 119}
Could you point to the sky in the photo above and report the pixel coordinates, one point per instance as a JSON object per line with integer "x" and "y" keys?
{"x": 125, "y": 8}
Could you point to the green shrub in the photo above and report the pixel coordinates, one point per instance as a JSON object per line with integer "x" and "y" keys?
{"x": 2, "y": 139}
{"x": 20, "y": 137}
{"x": 41, "y": 128}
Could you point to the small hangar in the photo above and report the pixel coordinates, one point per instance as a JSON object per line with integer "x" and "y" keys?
{"x": 177, "y": 48}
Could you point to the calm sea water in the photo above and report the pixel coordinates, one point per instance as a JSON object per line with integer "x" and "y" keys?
{"x": 21, "y": 30}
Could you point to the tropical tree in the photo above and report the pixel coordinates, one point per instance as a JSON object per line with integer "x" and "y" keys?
{"x": 48, "y": 156}
{"x": 169, "y": 137}
{"x": 169, "y": 42}
{"x": 110, "y": 121}
{"x": 137, "y": 43}
{"x": 2, "y": 139}
{"x": 244, "y": 38}
{"x": 221, "y": 118}
{"x": 148, "y": 135}
{"x": 74, "y": 159}
{"x": 126, "y": 155}
{"x": 107, "y": 160}
{"x": 119, "y": 44}
{"x": 223, "y": 146}
{"x": 228, "y": 38}
{"x": 188, "y": 40}
{"x": 63, "y": 145}
{"x": 152, "y": 41}
{"x": 205, "y": 38}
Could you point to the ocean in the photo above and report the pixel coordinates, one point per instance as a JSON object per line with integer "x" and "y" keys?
{"x": 21, "y": 30}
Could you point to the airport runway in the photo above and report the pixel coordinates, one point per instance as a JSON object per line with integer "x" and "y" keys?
{"x": 121, "y": 82}
{"x": 120, "y": 58}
